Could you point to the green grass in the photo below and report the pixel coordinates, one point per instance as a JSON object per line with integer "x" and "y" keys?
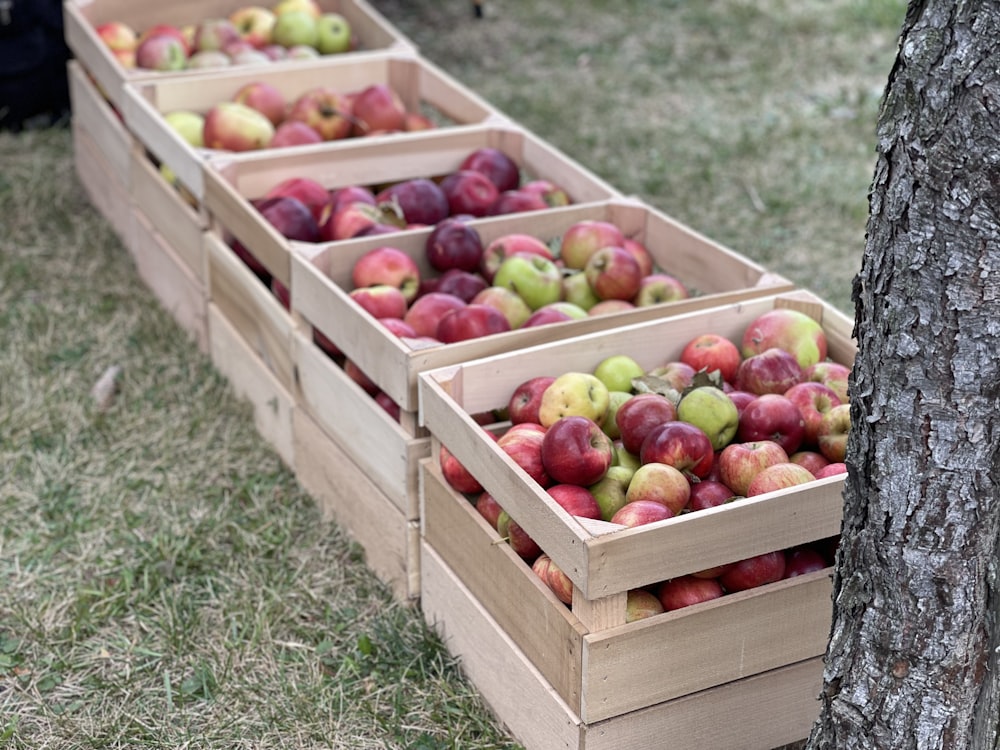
{"x": 165, "y": 582}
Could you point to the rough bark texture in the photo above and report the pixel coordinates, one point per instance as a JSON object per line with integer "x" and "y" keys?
{"x": 912, "y": 661}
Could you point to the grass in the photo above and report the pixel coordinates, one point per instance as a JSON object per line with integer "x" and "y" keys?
{"x": 165, "y": 582}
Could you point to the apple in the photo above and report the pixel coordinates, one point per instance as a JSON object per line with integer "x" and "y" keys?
{"x": 282, "y": 292}
{"x": 548, "y": 314}
{"x": 161, "y": 52}
{"x": 524, "y": 446}
{"x": 302, "y": 52}
{"x": 754, "y": 571}
{"x": 684, "y": 591}
{"x": 584, "y": 238}
{"x": 609, "y": 491}
{"x": 333, "y": 34}
{"x": 255, "y": 24}
{"x": 309, "y": 191}
{"x": 294, "y": 133}
{"x": 489, "y": 509}
{"x": 772, "y": 417}
{"x": 183, "y": 35}
{"x": 387, "y": 265}
{"x": 325, "y": 110}
{"x": 657, "y": 288}
{"x": 712, "y": 411}
{"x": 772, "y": 371}
{"x": 575, "y": 450}
{"x": 613, "y": 273}
{"x": 575, "y": 500}
{"x": 574, "y": 394}
{"x": 516, "y": 201}
{"x": 638, "y": 416}
{"x": 641, "y": 512}
{"x": 739, "y": 463}
{"x": 660, "y": 483}
{"x": 231, "y": 126}
{"x": 208, "y": 59}
{"x": 577, "y": 289}
{"x": 380, "y": 301}
{"x": 295, "y": 27}
{"x": 469, "y": 192}
{"x": 616, "y": 371}
{"x": 353, "y": 220}
{"x": 312, "y": 7}
{"x": 831, "y": 374}
{"x": 343, "y": 196}
{"x": 470, "y": 322}
{"x": 674, "y": 374}
{"x": 641, "y": 254}
{"x": 265, "y": 98}
{"x": 415, "y": 121}
{"x": 610, "y": 306}
{"x": 713, "y": 352}
{"x": 640, "y": 604}
{"x": 623, "y": 457}
{"x": 535, "y": 279}
{"x": 802, "y": 560}
{"x": 741, "y": 399}
{"x": 355, "y": 373}
{"x": 464, "y": 284}
{"x": 813, "y": 401}
{"x": 500, "y": 248}
{"x": 377, "y": 108}
{"x": 610, "y": 424}
{"x": 275, "y": 52}
{"x": 784, "y": 328}
{"x": 453, "y": 244}
{"x": 215, "y": 34}
{"x": 290, "y": 216}
{"x": 399, "y": 328}
{"x": 417, "y": 201}
{"x": 118, "y": 36}
{"x": 249, "y": 56}
{"x": 559, "y": 583}
{"x": 548, "y": 191}
{"x": 521, "y": 543}
{"x": 458, "y": 477}
{"x": 831, "y": 470}
{"x": 681, "y": 445}
{"x": 514, "y": 308}
{"x": 812, "y": 460}
{"x": 427, "y": 310}
{"x": 778, "y": 477}
{"x": 709, "y": 493}
{"x": 501, "y": 169}
{"x": 188, "y": 125}
{"x": 525, "y": 401}
{"x": 831, "y": 437}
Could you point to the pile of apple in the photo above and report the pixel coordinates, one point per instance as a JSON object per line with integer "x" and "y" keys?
{"x": 723, "y": 421}
{"x": 254, "y": 34}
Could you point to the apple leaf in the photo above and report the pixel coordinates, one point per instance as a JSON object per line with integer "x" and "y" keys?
{"x": 704, "y": 378}
{"x": 653, "y": 384}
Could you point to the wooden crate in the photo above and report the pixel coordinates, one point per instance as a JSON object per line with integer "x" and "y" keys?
{"x": 168, "y": 277}
{"x": 766, "y": 710}
{"x": 101, "y": 121}
{"x": 604, "y": 672}
{"x": 347, "y": 495}
{"x": 322, "y": 282}
{"x": 421, "y": 85}
{"x": 82, "y": 17}
{"x": 231, "y": 183}
{"x": 605, "y": 561}
{"x": 102, "y": 186}
{"x": 273, "y": 405}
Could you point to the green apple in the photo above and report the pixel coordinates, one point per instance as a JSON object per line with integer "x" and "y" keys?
{"x": 188, "y": 125}
{"x": 711, "y": 410}
{"x": 333, "y": 34}
{"x": 617, "y": 372}
{"x": 294, "y": 28}
{"x": 577, "y": 289}
{"x": 615, "y": 400}
{"x": 622, "y": 457}
{"x": 609, "y": 491}
{"x": 536, "y": 279}
{"x": 574, "y": 394}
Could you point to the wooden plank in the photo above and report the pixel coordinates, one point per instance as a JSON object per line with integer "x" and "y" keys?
{"x": 92, "y": 112}
{"x": 521, "y": 604}
{"x": 388, "y": 455}
{"x": 356, "y": 504}
{"x": 180, "y": 293}
{"x": 272, "y": 404}
{"x": 103, "y": 189}
{"x": 252, "y": 309}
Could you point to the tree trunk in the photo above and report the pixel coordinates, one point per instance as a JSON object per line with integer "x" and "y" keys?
{"x": 912, "y": 659}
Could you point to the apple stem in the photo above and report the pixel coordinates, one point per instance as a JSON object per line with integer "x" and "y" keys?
{"x": 501, "y": 540}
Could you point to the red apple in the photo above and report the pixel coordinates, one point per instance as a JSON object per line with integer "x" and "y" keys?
{"x": 546, "y": 315}
{"x": 687, "y": 590}
{"x": 502, "y": 170}
{"x": 118, "y": 36}
{"x": 290, "y": 216}
{"x": 739, "y": 463}
{"x": 215, "y": 34}
{"x": 833, "y": 431}
{"x": 309, "y": 191}
{"x": 526, "y": 398}
{"x": 713, "y": 352}
{"x": 348, "y": 194}
{"x": 265, "y": 98}
{"x": 802, "y": 560}
{"x": 559, "y": 583}
{"x": 521, "y": 543}
{"x": 470, "y": 322}
{"x": 754, "y": 571}
{"x": 641, "y": 254}
{"x": 641, "y": 512}
{"x": 709, "y": 493}
{"x": 399, "y": 328}
{"x": 507, "y": 301}
{"x": 455, "y": 473}
{"x": 660, "y": 483}
{"x": 575, "y": 500}
{"x": 390, "y": 407}
{"x": 524, "y": 446}
{"x": 416, "y": 201}
{"x": 772, "y": 417}
{"x": 586, "y": 237}
{"x": 356, "y": 374}
{"x": 681, "y": 445}
{"x": 454, "y": 244}
{"x": 294, "y": 133}
{"x": 351, "y": 220}
{"x": 552, "y": 194}
{"x": 831, "y": 374}
{"x": 831, "y": 470}
{"x": 469, "y": 192}
{"x": 378, "y": 107}
{"x": 415, "y": 121}
{"x": 161, "y": 52}
{"x": 575, "y": 450}
{"x": 613, "y": 273}
{"x": 779, "y": 477}
{"x": 637, "y": 417}
{"x": 813, "y": 401}
{"x": 380, "y": 301}
{"x": 501, "y": 248}
{"x": 610, "y": 306}
{"x": 657, "y": 288}
{"x": 489, "y": 508}
{"x": 516, "y": 201}
{"x": 231, "y": 126}
{"x": 771, "y": 371}
{"x": 812, "y": 460}
{"x": 676, "y": 374}
{"x": 741, "y": 399}
{"x": 325, "y": 110}
{"x": 784, "y": 328}
{"x": 464, "y": 284}
{"x": 388, "y": 265}
{"x": 426, "y": 312}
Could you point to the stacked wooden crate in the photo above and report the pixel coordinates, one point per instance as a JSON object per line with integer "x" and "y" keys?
{"x": 573, "y": 677}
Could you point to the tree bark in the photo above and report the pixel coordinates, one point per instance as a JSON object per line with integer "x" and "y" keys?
{"x": 912, "y": 659}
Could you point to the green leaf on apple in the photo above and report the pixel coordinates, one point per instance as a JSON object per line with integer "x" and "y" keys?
{"x": 653, "y": 384}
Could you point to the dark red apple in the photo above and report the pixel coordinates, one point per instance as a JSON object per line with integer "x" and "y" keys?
{"x": 501, "y": 169}
{"x": 681, "y": 445}
{"x": 290, "y": 216}
{"x": 387, "y": 403}
{"x": 754, "y": 571}
{"x": 576, "y": 450}
{"x": 454, "y": 244}
{"x": 309, "y": 191}
{"x": 802, "y": 560}
{"x": 687, "y": 590}
{"x": 637, "y": 417}
{"x": 455, "y": 473}
{"x": 709, "y": 493}
{"x": 489, "y": 508}
{"x": 813, "y": 401}
{"x": 575, "y": 500}
{"x": 516, "y": 201}
{"x": 772, "y": 417}
{"x": 377, "y": 108}
{"x": 426, "y": 312}
{"x": 470, "y": 322}
{"x": 772, "y": 371}
{"x": 469, "y": 192}
{"x": 526, "y": 398}
{"x": 416, "y": 201}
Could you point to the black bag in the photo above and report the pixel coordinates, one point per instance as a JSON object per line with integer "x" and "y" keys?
{"x": 33, "y": 57}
